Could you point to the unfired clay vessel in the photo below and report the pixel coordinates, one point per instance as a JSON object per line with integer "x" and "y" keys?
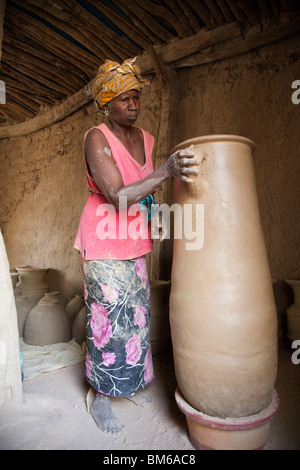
{"x": 24, "y": 306}
{"x": 293, "y": 312}
{"x": 74, "y": 306}
{"x": 159, "y": 320}
{"x": 55, "y": 295}
{"x": 222, "y": 311}
{"x": 79, "y": 326}
{"x": 32, "y": 282}
{"x": 47, "y": 323}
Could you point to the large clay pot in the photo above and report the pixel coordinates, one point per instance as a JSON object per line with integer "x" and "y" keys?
{"x": 79, "y": 326}
{"x": 32, "y": 282}
{"x": 24, "y": 306}
{"x": 47, "y": 323}
{"x": 293, "y": 312}
{"x": 159, "y": 320}
{"x": 74, "y": 306}
{"x": 222, "y": 310}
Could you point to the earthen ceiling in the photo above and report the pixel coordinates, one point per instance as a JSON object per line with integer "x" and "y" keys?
{"x": 51, "y": 49}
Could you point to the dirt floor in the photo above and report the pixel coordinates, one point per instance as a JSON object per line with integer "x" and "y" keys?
{"x": 54, "y": 415}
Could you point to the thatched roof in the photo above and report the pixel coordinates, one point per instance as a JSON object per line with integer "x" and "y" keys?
{"x": 51, "y": 49}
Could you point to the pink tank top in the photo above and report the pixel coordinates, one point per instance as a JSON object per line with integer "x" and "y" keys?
{"x": 105, "y": 232}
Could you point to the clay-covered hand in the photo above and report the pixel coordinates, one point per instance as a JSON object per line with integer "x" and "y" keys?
{"x": 180, "y": 162}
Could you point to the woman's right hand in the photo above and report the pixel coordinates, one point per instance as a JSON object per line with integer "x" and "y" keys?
{"x": 179, "y": 164}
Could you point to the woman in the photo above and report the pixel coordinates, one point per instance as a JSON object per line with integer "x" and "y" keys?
{"x": 113, "y": 238}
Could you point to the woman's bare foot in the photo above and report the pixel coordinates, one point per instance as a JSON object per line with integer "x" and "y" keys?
{"x": 103, "y": 415}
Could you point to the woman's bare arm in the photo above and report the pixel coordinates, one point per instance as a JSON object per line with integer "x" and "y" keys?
{"x": 109, "y": 180}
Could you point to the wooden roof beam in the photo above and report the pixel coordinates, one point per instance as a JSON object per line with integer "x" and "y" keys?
{"x": 32, "y": 85}
{"x": 41, "y": 10}
{"x": 115, "y": 45}
{"x": 133, "y": 32}
{"x": 2, "y": 10}
{"x": 48, "y": 57}
{"x": 43, "y": 33}
{"x": 225, "y": 10}
{"x": 173, "y": 5}
{"x": 148, "y": 19}
{"x": 251, "y": 11}
{"x": 202, "y": 12}
{"x": 215, "y": 12}
{"x": 44, "y": 68}
{"x": 136, "y": 20}
{"x": 231, "y": 48}
{"x": 35, "y": 73}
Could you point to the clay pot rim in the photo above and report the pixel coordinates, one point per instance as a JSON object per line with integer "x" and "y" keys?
{"x": 215, "y": 138}
{"x": 30, "y": 268}
{"x": 293, "y": 282}
{"x": 158, "y": 283}
{"x": 232, "y": 424}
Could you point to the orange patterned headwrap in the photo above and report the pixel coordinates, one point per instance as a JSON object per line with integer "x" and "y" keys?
{"x": 113, "y": 79}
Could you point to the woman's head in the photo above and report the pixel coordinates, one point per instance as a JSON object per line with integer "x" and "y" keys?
{"x": 114, "y": 79}
{"x": 124, "y": 108}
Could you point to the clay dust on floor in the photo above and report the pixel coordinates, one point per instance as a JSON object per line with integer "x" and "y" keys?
{"x": 54, "y": 414}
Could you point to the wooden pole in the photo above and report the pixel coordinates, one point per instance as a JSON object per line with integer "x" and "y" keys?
{"x": 160, "y": 255}
{"x": 2, "y": 9}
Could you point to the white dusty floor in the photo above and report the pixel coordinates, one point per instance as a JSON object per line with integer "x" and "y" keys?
{"x": 54, "y": 416}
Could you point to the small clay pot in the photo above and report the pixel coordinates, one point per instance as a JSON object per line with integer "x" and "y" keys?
{"x": 32, "y": 282}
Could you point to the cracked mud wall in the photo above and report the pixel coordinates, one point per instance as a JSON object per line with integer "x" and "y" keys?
{"x": 42, "y": 175}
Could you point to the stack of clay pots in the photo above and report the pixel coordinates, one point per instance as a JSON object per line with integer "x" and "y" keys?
{"x": 42, "y": 318}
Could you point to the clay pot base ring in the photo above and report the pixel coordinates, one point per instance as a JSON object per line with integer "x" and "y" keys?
{"x": 213, "y": 433}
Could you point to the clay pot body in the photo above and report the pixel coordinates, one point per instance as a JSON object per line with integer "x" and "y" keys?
{"x": 23, "y": 306}
{"x": 293, "y": 312}
{"x": 159, "y": 320}
{"x": 47, "y": 323}
{"x": 79, "y": 326}
{"x": 32, "y": 282}
{"x": 74, "y": 306}
{"x": 222, "y": 311}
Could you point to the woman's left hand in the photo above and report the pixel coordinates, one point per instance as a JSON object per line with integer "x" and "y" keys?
{"x": 180, "y": 162}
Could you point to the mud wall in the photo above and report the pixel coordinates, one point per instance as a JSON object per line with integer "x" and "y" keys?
{"x": 42, "y": 175}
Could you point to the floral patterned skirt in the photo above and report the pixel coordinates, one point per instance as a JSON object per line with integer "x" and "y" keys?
{"x": 117, "y": 298}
